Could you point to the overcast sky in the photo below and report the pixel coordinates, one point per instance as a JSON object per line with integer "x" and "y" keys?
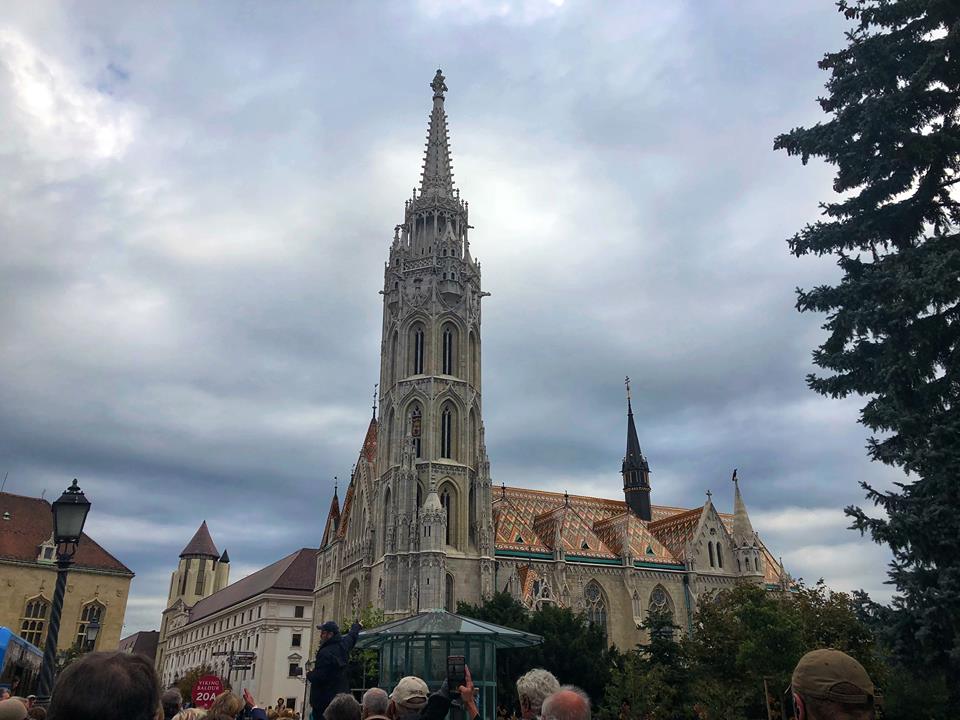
{"x": 196, "y": 200}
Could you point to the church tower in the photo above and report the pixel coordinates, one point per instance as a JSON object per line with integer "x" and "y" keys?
{"x": 746, "y": 544}
{"x": 635, "y": 469}
{"x": 430, "y": 446}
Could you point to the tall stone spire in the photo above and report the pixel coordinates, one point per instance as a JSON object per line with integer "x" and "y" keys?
{"x": 437, "y": 178}
{"x": 742, "y": 529}
{"x": 636, "y": 470}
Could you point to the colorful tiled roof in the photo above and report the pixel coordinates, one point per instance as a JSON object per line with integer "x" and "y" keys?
{"x": 26, "y": 523}
{"x": 677, "y": 530}
{"x": 564, "y": 526}
{"x": 626, "y": 529}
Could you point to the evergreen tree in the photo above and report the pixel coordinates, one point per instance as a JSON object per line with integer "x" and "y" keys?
{"x": 893, "y": 319}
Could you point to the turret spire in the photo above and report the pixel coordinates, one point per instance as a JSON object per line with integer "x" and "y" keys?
{"x": 636, "y": 471}
{"x": 742, "y": 529}
{"x": 437, "y": 178}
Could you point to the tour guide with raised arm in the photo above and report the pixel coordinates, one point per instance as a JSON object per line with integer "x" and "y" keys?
{"x": 329, "y": 674}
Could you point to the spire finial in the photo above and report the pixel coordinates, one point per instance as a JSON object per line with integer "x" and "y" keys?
{"x": 375, "y": 386}
{"x": 734, "y": 478}
{"x": 627, "y": 383}
{"x": 438, "y": 84}
{"x": 503, "y": 490}
{"x": 709, "y": 495}
{"x": 566, "y": 499}
{"x": 334, "y": 485}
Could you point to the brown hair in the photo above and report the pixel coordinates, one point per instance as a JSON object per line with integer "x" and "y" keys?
{"x": 106, "y": 686}
{"x": 226, "y": 704}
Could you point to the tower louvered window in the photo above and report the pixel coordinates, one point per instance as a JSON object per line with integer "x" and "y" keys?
{"x": 418, "y": 349}
{"x": 446, "y": 433}
{"x": 447, "y": 351}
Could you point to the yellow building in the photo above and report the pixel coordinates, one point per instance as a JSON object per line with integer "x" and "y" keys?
{"x": 97, "y": 585}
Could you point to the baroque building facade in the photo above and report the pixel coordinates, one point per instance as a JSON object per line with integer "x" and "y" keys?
{"x": 267, "y": 614}
{"x": 422, "y": 524}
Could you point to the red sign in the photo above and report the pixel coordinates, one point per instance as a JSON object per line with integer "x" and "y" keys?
{"x": 206, "y": 691}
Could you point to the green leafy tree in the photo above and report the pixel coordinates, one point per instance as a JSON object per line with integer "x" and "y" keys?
{"x": 573, "y": 649}
{"x": 186, "y": 681}
{"x": 651, "y": 682}
{"x": 893, "y": 319}
{"x": 364, "y": 665}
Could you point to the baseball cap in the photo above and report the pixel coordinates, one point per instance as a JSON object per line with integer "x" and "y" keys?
{"x": 832, "y": 675}
{"x": 329, "y": 626}
{"x": 410, "y": 692}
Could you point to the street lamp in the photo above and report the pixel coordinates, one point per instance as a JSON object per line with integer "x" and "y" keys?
{"x": 69, "y": 515}
{"x": 91, "y": 632}
{"x": 307, "y": 667}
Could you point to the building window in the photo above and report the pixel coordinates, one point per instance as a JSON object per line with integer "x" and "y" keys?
{"x": 756, "y": 563}
{"x": 293, "y": 670}
{"x": 446, "y": 432}
{"x": 295, "y": 641}
{"x": 448, "y": 340}
{"x": 416, "y": 426}
{"x": 48, "y": 553}
{"x": 298, "y": 611}
{"x": 201, "y": 577}
{"x": 596, "y": 608}
{"x": 719, "y": 556}
{"x": 92, "y": 612}
{"x": 418, "y": 351}
{"x": 660, "y": 605}
{"x": 450, "y": 603}
{"x": 710, "y": 546}
{"x": 34, "y": 621}
{"x": 291, "y": 704}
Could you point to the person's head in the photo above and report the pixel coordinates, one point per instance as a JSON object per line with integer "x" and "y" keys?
{"x": 831, "y": 684}
{"x": 4, "y": 693}
{"x": 343, "y": 707}
{"x": 12, "y": 709}
{"x": 37, "y": 713}
{"x": 533, "y": 688}
{"x": 374, "y": 702}
{"x": 328, "y": 630}
{"x": 408, "y": 698}
{"x": 568, "y": 703}
{"x": 172, "y": 701}
{"x": 191, "y": 714}
{"x": 106, "y": 686}
{"x": 226, "y": 703}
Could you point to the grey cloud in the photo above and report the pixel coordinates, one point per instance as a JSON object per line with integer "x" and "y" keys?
{"x": 192, "y": 252}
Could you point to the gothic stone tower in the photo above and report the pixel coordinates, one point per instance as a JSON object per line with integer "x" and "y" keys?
{"x": 430, "y": 446}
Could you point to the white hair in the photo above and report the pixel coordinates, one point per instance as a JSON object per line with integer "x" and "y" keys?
{"x": 536, "y": 686}
{"x": 568, "y": 703}
{"x": 375, "y": 701}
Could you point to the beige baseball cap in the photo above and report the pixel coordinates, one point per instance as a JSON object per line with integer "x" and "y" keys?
{"x": 832, "y": 675}
{"x": 410, "y": 692}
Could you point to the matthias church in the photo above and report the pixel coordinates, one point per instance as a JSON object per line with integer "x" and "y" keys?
{"x": 424, "y": 525}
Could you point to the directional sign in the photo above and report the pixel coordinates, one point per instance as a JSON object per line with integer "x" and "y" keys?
{"x": 206, "y": 691}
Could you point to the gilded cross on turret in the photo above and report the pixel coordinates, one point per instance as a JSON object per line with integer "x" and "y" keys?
{"x": 438, "y": 84}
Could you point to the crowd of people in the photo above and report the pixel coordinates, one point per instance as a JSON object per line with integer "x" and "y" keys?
{"x": 826, "y": 684}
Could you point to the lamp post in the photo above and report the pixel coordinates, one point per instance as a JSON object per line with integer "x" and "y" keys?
{"x": 90, "y": 634}
{"x": 69, "y": 515}
{"x": 307, "y": 667}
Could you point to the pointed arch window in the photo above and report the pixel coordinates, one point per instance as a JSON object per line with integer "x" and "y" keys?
{"x": 446, "y": 432}
{"x": 719, "y": 556}
{"x": 756, "y": 563}
{"x": 416, "y": 426}
{"x": 595, "y": 606}
{"x": 445, "y": 501}
{"x": 418, "y": 350}
{"x": 660, "y": 604}
{"x": 449, "y": 338}
{"x": 636, "y": 604}
{"x": 710, "y": 547}
{"x": 34, "y": 621}
{"x": 450, "y": 600}
{"x": 92, "y": 612}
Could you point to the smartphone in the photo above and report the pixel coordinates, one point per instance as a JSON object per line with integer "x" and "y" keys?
{"x": 455, "y": 672}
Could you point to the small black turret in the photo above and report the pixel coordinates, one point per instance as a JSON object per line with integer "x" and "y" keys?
{"x": 636, "y": 471}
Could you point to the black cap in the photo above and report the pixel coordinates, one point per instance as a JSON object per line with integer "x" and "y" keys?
{"x": 329, "y": 626}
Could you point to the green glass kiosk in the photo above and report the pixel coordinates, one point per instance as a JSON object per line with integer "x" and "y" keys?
{"x": 419, "y": 645}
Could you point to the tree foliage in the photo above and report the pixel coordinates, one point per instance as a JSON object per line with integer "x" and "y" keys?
{"x": 893, "y": 320}
{"x": 573, "y": 649}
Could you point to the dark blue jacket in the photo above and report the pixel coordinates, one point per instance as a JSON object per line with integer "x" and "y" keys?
{"x": 329, "y": 674}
